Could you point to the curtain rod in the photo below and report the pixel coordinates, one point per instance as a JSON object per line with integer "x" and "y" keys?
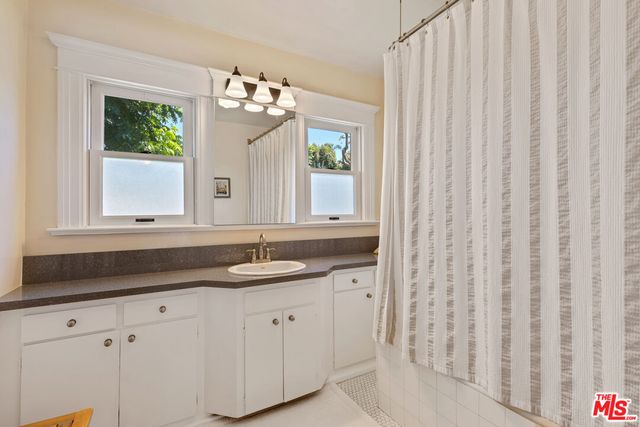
{"x": 252, "y": 140}
{"x": 423, "y": 22}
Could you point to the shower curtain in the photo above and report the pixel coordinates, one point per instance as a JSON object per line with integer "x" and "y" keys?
{"x": 510, "y": 223}
{"x": 271, "y": 176}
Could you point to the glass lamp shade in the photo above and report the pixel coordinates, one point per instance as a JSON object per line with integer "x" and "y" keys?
{"x": 286, "y": 97}
{"x": 262, "y": 94}
{"x": 228, "y": 103}
{"x": 275, "y": 111}
{"x": 236, "y": 86}
{"x": 254, "y": 108}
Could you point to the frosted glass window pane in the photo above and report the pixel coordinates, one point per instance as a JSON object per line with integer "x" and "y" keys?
{"x": 332, "y": 194}
{"x": 142, "y": 187}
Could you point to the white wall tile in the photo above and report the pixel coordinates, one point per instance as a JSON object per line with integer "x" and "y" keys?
{"x": 428, "y": 416}
{"x": 484, "y": 423}
{"x": 465, "y": 417}
{"x": 446, "y": 407}
{"x": 384, "y": 402}
{"x": 396, "y": 391}
{"x": 397, "y": 412}
{"x": 443, "y": 422}
{"x": 429, "y": 376}
{"x": 411, "y": 421}
{"x": 514, "y": 420}
{"x": 467, "y": 397}
{"x": 428, "y": 396}
{"x": 491, "y": 410}
{"x": 411, "y": 378}
{"x": 447, "y": 385}
{"x": 411, "y": 404}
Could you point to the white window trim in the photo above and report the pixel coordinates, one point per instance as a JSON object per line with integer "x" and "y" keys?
{"x": 98, "y": 91}
{"x": 81, "y": 62}
{"x": 356, "y": 153}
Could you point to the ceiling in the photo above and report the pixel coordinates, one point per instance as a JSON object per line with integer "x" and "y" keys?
{"x": 350, "y": 33}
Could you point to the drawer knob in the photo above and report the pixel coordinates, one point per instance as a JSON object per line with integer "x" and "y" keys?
{"x": 71, "y": 323}
{"x": 369, "y": 296}
{"x": 292, "y": 317}
{"x": 108, "y": 342}
{"x": 131, "y": 338}
{"x": 354, "y": 281}
{"x": 276, "y": 322}
{"x": 162, "y": 308}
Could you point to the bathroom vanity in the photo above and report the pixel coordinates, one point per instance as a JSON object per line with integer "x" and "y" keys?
{"x": 213, "y": 344}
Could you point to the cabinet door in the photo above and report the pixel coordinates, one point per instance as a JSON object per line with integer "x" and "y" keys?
{"x": 263, "y": 361}
{"x": 301, "y": 351}
{"x": 158, "y": 373}
{"x": 353, "y": 323}
{"x": 70, "y": 374}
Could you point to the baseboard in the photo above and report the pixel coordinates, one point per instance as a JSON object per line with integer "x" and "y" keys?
{"x": 352, "y": 371}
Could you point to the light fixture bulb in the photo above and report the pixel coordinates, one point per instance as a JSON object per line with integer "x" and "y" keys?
{"x": 262, "y": 94}
{"x": 254, "y": 108}
{"x": 236, "y": 85}
{"x": 286, "y": 97}
{"x": 228, "y": 103}
{"x": 275, "y": 111}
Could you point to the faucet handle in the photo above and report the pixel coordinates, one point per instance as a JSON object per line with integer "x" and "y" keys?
{"x": 269, "y": 253}
{"x": 253, "y": 255}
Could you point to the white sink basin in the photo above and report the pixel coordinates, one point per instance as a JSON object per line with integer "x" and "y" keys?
{"x": 266, "y": 269}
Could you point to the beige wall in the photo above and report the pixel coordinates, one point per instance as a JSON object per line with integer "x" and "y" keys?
{"x": 113, "y": 23}
{"x": 13, "y": 69}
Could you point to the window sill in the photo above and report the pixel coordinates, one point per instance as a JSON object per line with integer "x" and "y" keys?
{"x": 139, "y": 229}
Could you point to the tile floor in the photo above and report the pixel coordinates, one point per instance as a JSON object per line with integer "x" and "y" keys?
{"x": 363, "y": 390}
{"x": 329, "y": 407}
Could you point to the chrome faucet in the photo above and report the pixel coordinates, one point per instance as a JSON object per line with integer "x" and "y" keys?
{"x": 264, "y": 253}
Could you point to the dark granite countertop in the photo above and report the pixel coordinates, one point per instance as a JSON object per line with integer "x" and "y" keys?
{"x": 42, "y": 294}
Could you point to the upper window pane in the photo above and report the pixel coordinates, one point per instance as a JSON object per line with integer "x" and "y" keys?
{"x": 135, "y": 126}
{"x": 329, "y": 149}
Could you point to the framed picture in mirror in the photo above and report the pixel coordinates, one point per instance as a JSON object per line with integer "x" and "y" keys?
{"x": 222, "y": 188}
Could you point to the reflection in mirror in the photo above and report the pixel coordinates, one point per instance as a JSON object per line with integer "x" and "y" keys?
{"x": 254, "y": 164}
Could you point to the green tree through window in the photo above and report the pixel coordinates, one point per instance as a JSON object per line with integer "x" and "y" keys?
{"x": 324, "y": 155}
{"x": 142, "y": 127}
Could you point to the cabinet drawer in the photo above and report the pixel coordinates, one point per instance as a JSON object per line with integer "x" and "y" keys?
{"x": 57, "y": 324}
{"x": 276, "y": 299}
{"x": 156, "y": 309}
{"x": 354, "y": 280}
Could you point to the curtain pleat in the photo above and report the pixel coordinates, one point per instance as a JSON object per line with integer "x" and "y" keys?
{"x": 510, "y": 222}
{"x": 271, "y": 176}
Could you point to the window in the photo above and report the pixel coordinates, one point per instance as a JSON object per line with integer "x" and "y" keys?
{"x": 332, "y": 171}
{"x": 141, "y": 157}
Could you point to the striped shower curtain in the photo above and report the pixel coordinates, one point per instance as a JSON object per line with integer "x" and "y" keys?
{"x": 510, "y": 224}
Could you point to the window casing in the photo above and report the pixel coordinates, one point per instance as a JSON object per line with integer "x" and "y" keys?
{"x": 160, "y": 189}
{"x": 332, "y": 194}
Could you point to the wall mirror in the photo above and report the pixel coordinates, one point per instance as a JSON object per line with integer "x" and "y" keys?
{"x": 254, "y": 164}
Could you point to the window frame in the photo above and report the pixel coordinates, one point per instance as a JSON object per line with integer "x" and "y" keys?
{"x": 356, "y": 168}
{"x": 97, "y": 92}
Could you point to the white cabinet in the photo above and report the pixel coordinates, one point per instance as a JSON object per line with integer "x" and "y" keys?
{"x": 353, "y": 323}
{"x": 281, "y": 356}
{"x": 158, "y": 373}
{"x": 69, "y": 374}
{"x": 263, "y": 361}
{"x": 301, "y": 351}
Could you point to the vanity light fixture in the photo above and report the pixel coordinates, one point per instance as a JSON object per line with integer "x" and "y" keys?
{"x": 262, "y": 94}
{"x": 254, "y": 108}
{"x": 236, "y": 85}
{"x": 286, "y": 97}
{"x": 228, "y": 103}
{"x": 275, "y": 111}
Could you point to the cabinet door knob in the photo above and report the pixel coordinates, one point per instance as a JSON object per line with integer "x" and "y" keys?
{"x": 131, "y": 338}
{"x": 108, "y": 342}
{"x": 369, "y": 296}
{"x": 292, "y": 317}
{"x": 71, "y": 323}
{"x": 354, "y": 281}
{"x": 276, "y": 322}
{"x": 162, "y": 308}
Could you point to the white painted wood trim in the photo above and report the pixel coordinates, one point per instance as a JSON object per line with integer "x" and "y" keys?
{"x": 135, "y": 229}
